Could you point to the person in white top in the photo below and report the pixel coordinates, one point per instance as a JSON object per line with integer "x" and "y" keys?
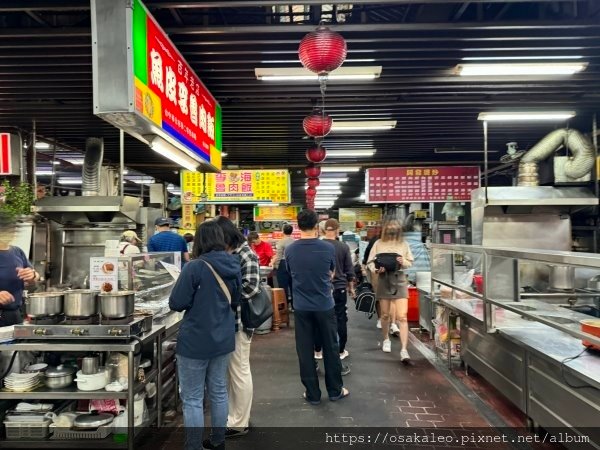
{"x": 129, "y": 244}
{"x": 388, "y": 258}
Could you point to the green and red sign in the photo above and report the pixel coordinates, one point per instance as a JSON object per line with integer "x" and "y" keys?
{"x": 168, "y": 92}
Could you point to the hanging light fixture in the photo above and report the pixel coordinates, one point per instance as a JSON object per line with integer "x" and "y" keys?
{"x": 318, "y": 124}
{"x": 312, "y": 171}
{"x": 322, "y": 51}
{"x": 316, "y": 154}
{"x": 313, "y": 182}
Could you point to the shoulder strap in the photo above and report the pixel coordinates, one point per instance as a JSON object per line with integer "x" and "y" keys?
{"x": 219, "y": 280}
{"x": 123, "y": 249}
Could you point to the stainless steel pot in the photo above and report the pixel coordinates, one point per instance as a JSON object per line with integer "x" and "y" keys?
{"x": 43, "y": 304}
{"x": 117, "y": 305}
{"x": 81, "y": 303}
{"x": 59, "y": 377}
{"x": 90, "y": 365}
{"x": 562, "y": 277}
{"x": 92, "y": 421}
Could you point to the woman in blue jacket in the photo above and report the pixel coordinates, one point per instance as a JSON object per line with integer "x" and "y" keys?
{"x": 207, "y": 334}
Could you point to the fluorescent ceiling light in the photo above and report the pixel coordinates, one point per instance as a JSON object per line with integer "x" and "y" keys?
{"x": 43, "y": 172}
{"x": 349, "y": 153}
{"x": 329, "y": 180}
{"x": 178, "y": 156}
{"x": 343, "y": 169}
{"x": 331, "y": 187}
{"x": 42, "y": 145}
{"x": 522, "y": 116}
{"x": 175, "y": 192}
{"x": 525, "y": 69}
{"x": 223, "y": 154}
{"x": 56, "y": 163}
{"x": 459, "y": 150}
{"x": 362, "y": 125}
{"x": 69, "y": 181}
{"x": 362, "y": 197}
{"x": 74, "y": 161}
{"x": 302, "y": 74}
{"x": 522, "y": 58}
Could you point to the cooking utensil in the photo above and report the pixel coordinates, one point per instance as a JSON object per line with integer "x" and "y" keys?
{"x": 591, "y": 326}
{"x": 92, "y": 420}
{"x": 93, "y": 382}
{"x": 81, "y": 303}
{"x": 117, "y": 305}
{"x": 89, "y": 365}
{"x": 562, "y": 277}
{"x": 36, "y": 368}
{"x": 59, "y": 377}
{"x": 594, "y": 283}
{"x": 44, "y": 304}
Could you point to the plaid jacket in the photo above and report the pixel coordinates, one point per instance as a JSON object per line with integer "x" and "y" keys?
{"x": 250, "y": 278}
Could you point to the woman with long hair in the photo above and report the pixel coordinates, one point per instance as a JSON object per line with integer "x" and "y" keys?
{"x": 388, "y": 258}
{"x": 208, "y": 290}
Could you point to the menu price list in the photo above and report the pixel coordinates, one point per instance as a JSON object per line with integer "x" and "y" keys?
{"x": 422, "y": 184}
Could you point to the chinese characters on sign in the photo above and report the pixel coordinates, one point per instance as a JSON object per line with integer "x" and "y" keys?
{"x": 169, "y": 93}
{"x": 361, "y": 215}
{"x": 421, "y": 184}
{"x": 237, "y": 186}
{"x": 276, "y": 213}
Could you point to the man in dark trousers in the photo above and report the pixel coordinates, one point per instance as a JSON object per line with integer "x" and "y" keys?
{"x": 343, "y": 281}
{"x": 311, "y": 263}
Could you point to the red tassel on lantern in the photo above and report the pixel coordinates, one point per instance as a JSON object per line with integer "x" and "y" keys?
{"x": 312, "y": 171}
{"x": 316, "y": 154}
{"x": 322, "y": 51}
{"x": 317, "y": 125}
{"x": 313, "y": 182}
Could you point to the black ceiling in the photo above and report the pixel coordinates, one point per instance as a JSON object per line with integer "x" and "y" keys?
{"x": 46, "y": 75}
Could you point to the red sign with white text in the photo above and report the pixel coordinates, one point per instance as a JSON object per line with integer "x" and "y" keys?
{"x": 421, "y": 184}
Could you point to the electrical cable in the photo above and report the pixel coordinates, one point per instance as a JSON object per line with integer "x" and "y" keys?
{"x": 10, "y": 364}
{"x": 563, "y": 364}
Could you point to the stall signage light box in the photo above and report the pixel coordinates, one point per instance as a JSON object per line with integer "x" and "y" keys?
{"x": 236, "y": 186}
{"x": 276, "y": 213}
{"x": 5, "y": 155}
{"x": 143, "y": 85}
{"x": 361, "y": 215}
{"x": 421, "y": 184}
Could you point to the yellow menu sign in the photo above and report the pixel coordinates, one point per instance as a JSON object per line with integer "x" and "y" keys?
{"x": 236, "y": 186}
{"x": 275, "y": 213}
{"x": 361, "y": 214}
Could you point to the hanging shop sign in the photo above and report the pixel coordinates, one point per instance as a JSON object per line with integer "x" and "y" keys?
{"x": 144, "y": 86}
{"x": 360, "y": 214}
{"x": 273, "y": 213}
{"x": 188, "y": 218}
{"x": 10, "y": 151}
{"x": 421, "y": 184}
{"x": 236, "y": 186}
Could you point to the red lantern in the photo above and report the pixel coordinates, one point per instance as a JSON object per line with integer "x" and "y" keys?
{"x": 313, "y": 182}
{"x": 317, "y": 125}
{"x": 316, "y": 154}
{"x": 311, "y": 192}
{"x": 322, "y": 51}
{"x": 312, "y": 171}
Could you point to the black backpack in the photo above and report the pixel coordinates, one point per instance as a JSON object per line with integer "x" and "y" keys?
{"x": 365, "y": 299}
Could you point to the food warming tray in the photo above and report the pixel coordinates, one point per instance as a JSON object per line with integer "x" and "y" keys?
{"x": 66, "y": 331}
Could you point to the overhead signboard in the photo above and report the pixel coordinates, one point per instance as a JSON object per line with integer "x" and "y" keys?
{"x": 421, "y": 184}
{"x": 236, "y": 186}
{"x": 276, "y": 213}
{"x": 10, "y": 154}
{"x": 360, "y": 214}
{"x": 144, "y": 86}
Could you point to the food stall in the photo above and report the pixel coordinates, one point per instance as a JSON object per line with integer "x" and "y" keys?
{"x": 531, "y": 328}
{"x": 104, "y": 349}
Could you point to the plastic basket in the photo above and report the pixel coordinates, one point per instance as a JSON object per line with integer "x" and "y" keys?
{"x": 62, "y": 433}
{"x": 27, "y": 430}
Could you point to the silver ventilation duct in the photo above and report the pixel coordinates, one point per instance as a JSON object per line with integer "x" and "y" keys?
{"x": 94, "y": 154}
{"x": 576, "y": 167}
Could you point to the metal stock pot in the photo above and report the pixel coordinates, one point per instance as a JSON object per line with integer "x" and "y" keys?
{"x": 44, "y": 304}
{"x": 117, "y": 305}
{"x": 81, "y": 303}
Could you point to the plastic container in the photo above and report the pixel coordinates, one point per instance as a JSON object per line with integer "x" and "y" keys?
{"x": 61, "y": 433}
{"x": 27, "y": 430}
{"x": 591, "y": 326}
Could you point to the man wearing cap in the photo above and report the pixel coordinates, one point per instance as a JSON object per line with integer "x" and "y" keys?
{"x": 166, "y": 241}
{"x": 129, "y": 244}
{"x": 343, "y": 281}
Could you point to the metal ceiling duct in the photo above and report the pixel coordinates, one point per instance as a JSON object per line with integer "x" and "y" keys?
{"x": 92, "y": 163}
{"x": 582, "y": 149}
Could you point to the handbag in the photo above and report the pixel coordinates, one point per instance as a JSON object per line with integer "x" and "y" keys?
{"x": 389, "y": 261}
{"x": 258, "y": 309}
{"x": 220, "y": 281}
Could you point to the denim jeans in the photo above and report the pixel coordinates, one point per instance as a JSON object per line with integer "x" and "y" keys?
{"x": 194, "y": 374}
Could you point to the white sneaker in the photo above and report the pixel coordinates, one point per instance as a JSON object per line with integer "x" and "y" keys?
{"x": 404, "y": 356}
{"x": 318, "y": 355}
{"x": 394, "y": 330}
{"x": 344, "y": 354}
{"x": 379, "y": 323}
{"x": 387, "y": 346}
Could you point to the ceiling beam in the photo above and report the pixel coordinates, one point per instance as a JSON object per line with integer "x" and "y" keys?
{"x": 37, "y": 18}
{"x": 461, "y": 10}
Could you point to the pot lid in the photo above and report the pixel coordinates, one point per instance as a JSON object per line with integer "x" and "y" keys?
{"x": 93, "y": 420}
{"x": 60, "y": 371}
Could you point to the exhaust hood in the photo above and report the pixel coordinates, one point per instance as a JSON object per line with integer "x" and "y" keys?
{"x": 86, "y": 210}
{"x": 566, "y": 199}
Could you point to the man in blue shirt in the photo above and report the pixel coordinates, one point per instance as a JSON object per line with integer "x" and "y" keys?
{"x": 311, "y": 263}
{"x": 166, "y": 241}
